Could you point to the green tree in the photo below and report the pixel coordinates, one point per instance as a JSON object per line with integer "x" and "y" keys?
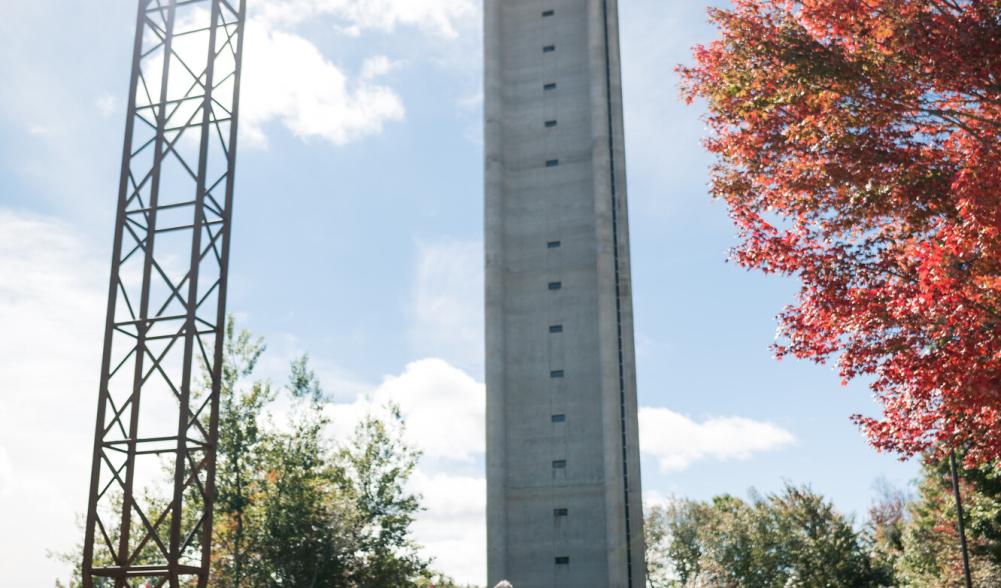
{"x": 660, "y": 572}
{"x": 791, "y": 539}
{"x": 885, "y": 529}
{"x": 305, "y": 527}
{"x": 292, "y": 509}
{"x": 374, "y": 468}
{"x": 922, "y": 542}
{"x": 819, "y": 546}
{"x": 240, "y": 441}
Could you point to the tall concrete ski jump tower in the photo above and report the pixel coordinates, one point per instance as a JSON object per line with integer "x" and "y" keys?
{"x": 563, "y": 470}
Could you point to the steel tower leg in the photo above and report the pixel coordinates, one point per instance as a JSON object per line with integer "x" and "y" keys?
{"x": 149, "y": 517}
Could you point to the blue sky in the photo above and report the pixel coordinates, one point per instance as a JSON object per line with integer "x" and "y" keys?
{"x": 358, "y": 238}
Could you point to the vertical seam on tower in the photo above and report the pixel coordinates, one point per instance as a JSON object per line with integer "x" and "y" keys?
{"x": 618, "y": 295}
{"x": 550, "y": 269}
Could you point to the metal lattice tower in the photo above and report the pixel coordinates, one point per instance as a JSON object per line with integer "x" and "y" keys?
{"x": 149, "y": 517}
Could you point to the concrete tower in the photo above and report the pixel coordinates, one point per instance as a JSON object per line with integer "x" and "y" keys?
{"x": 563, "y": 474}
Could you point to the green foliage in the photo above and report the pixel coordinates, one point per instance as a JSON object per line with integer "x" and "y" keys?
{"x": 293, "y": 509}
{"x": 300, "y": 528}
{"x": 884, "y": 532}
{"x": 659, "y": 570}
{"x": 375, "y": 465}
{"x": 303, "y": 512}
{"x": 797, "y": 539}
{"x": 794, "y": 538}
{"x": 241, "y": 441}
{"x": 921, "y": 542}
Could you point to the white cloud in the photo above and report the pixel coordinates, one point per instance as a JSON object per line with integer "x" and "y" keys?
{"x": 106, "y": 105}
{"x": 677, "y": 441}
{"x": 451, "y": 496}
{"x": 52, "y": 299}
{"x": 377, "y": 66}
{"x": 453, "y": 529}
{"x": 288, "y": 79}
{"x": 6, "y": 473}
{"x": 442, "y": 18}
{"x": 654, "y": 498}
{"x": 429, "y": 392}
{"x": 448, "y": 302}
{"x": 444, "y": 409}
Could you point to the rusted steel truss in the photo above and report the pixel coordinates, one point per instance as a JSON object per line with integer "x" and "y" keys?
{"x": 149, "y": 517}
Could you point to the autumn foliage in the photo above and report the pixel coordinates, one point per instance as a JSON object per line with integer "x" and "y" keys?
{"x": 858, "y": 150}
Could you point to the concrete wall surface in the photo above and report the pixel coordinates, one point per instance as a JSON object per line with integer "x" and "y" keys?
{"x": 562, "y": 444}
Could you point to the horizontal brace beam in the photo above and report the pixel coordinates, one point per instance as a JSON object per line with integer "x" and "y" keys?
{"x": 141, "y": 571}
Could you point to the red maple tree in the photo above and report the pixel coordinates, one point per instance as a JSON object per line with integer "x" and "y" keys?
{"x": 857, "y": 150}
